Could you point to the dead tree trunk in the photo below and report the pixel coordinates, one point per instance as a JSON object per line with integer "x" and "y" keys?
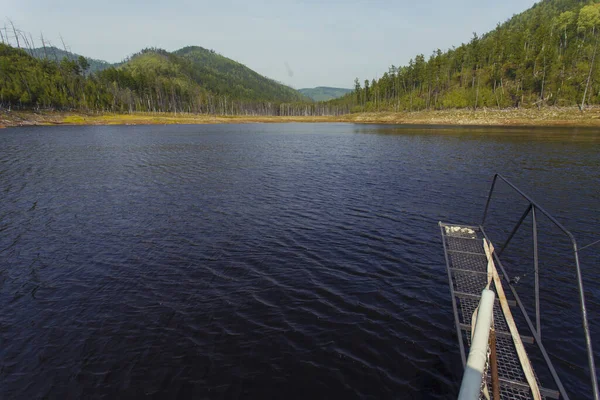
{"x": 587, "y": 84}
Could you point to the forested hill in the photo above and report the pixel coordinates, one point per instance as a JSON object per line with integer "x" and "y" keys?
{"x": 546, "y": 55}
{"x": 192, "y": 79}
{"x": 56, "y": 54}
{"x": 324, "y": 93}
{"x": 212, "y": 71}
{"x": 223, "y": 75}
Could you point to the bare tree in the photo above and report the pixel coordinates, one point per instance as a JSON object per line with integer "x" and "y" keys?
{"x": 32, "y": 41}
{"x": 15, "y": 33}
{"x": 43, "y": 45}
{"x": 64, "y": 45}
{"x": 6, "y": 35}
{"x": 25, "y": 40}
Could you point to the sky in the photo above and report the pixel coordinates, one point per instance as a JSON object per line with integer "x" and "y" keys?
{"x": 299, "y": 43}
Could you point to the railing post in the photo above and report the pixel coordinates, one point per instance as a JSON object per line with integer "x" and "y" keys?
{"x": 538, "y": 322}
{"x": 487, "y": 203}
{"x": 515, "y": 229}
{"x": 586, "y": 328}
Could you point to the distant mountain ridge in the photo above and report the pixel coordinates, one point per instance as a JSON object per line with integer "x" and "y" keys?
{"x": 206, "y": 68}
{"x": 190, "y": 80}
{"x": 54, "y": 53}
{"x": 195, "y": 65}
{"x": 324, "y": 93}
{"x": 226, "y": 76}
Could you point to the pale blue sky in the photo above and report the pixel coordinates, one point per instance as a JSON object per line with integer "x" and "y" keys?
{"x": 324, "y": 43}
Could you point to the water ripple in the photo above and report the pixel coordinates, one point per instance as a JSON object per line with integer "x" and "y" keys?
{"x": 250, "y": 261}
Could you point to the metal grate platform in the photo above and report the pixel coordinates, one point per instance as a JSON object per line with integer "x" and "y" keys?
{"x": 467, "y": 273}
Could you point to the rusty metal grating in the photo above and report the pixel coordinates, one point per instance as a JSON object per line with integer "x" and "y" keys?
{"x": 470, "y": 262}
{"x": 512, "y": 393}
{"x": 467, "y": 272}
{"x": 467, "y": 282}
{"x": 468, "y": 306}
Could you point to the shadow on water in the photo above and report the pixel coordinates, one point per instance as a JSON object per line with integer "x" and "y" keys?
{"x": 545, "y": 135}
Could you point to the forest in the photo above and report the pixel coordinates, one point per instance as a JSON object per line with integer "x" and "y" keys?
{"x": 545, "y": 56}
{"x": 190, "y": 80}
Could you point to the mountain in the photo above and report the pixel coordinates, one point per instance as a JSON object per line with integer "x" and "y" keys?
{"x": 324, "y": 93}
{"x": 547, "y": 55}
{"x": 225, "y": 76}
{"x": 195, "y": 65}
{"x": 54, "y": 53}
{"x": 192, "y": 80}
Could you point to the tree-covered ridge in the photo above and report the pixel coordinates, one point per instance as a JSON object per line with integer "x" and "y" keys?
{"x": 56, "y": 54}
{"x": 324, "y": 93}
{"x": 223, "y": 75}
{"x": 30, "y": 82}
{"x": 546, "y": 55}
{"x": 152, "y": 80}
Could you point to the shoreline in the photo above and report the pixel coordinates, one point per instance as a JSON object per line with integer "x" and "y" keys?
{"x": 548, "y": 116}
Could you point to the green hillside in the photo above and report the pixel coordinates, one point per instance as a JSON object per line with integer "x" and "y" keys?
{"x": 546, "y": 55}
{"x": 211, "y": 71}
{"x": 56, "y": 54}
{"x": 324, "y": 93}
{"x": 191, "y": 80}
{"x": 227, "y": 77}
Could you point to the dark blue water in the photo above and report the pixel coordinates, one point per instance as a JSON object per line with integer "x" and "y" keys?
{"x": 264, "y": 261}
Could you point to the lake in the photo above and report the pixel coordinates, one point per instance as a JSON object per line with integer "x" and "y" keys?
{"x": 270, "y": 261}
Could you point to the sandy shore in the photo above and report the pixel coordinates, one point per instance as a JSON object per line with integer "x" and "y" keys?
{"x": 549, "y": 116}
{"x": 488, "y": 117}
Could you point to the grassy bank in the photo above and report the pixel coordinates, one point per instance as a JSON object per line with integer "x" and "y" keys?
{"x": 490, "y": 117}
{"x": 28, "y": 118}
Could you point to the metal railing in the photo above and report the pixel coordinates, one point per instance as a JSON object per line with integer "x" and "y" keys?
{"x": 533, "y": 208}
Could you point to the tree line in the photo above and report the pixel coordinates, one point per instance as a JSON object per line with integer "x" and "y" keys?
{"x": 546, "y": 55}
{"x": 152, "y": 80}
